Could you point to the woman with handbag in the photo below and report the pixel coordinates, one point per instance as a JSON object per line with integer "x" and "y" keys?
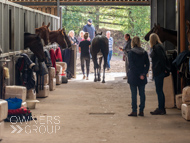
{"x": 126, "y": 48}
{"x": 158, "y": 56}
{"x": 138, "y": 68}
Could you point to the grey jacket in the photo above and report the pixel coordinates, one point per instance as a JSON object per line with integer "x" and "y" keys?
{"x": 127, "y": 47}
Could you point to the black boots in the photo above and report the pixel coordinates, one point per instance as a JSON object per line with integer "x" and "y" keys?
{"x": 158, "y": 112}
{"x": 134, "y": 114}
{"x": 141, "y": 114}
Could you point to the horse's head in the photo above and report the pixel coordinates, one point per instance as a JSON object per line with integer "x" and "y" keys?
{"x": 43, "y": 32}
{"x": 59, "y": 36}
{"x": 61, "y": 39}
{"x": 188, "y": 30}
{"x": 37, "y": 49}
{"x": 66, "y": 38}
{"x": 33, "y": 41}
{"x": 156, "y": 29}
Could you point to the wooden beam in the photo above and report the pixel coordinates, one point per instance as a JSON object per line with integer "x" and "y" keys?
{"x": 182, "y": 34}
{"x": 83, "y": 2}
{"x": 53, "y": 10}
{"x": 182, "y": 25}
{"x": 49, "y": 10}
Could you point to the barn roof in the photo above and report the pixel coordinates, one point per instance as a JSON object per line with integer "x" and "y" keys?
{"x": 81, "y": 2}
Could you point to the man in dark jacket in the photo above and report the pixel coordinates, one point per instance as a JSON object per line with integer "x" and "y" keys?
{"x": 90, "y": 29}
{"x": 138, "y": 68}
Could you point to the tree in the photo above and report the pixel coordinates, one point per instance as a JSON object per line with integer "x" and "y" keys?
{"x": 134, "y": 20}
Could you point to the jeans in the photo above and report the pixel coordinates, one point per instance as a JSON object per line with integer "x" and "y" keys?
{"x": 109, "y": 58}
{"x": 159, "y": 81}
{"x": 87, "y": 59}
{"x": 134, "y": 97}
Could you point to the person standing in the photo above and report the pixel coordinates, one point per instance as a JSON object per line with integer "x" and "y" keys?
{"x": 126, "y": 49}
{"x": 81, "y": 36}
{"x": 85, "y": 55}
{"x": 158, "y": 67}
{"x": 72, "y": 38}
{"x": 110, "y": 40}
{"x": 90, "y": 29}
{"x": 138, "y": 68}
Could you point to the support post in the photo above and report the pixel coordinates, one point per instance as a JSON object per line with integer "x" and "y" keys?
{"x": 61, "y": 16}
{"x": 58, "y": 10}
{"x": 182, "y": 33}
{"x": 182, "y": 25}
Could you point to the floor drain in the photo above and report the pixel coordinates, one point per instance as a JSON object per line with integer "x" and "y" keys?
{"x": 101, "y": 113}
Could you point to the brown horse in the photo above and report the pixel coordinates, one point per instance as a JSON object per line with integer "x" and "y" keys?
{"x": 33, "y": 42}
{"x": 43, "y": 32}
{"x": 188, "y": 31}
{"x": 59, "y": 37}
{"x": 164, "y": 34}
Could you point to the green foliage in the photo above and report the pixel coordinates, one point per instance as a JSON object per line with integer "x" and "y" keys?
{"x": 134, "y": 20}
{"x": 75, "y": 17}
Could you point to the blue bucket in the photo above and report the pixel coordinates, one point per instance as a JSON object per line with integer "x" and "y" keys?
{"x": 14, "y": 103}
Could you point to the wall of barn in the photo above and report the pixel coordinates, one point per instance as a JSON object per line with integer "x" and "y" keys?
{"x": 15, "y": 20}
{"x": 164, "y": 13}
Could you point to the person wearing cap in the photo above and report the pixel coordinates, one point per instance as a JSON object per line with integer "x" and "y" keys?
{"x": 90, "y": 29}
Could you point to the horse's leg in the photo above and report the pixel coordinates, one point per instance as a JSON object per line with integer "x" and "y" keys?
{"x": 95, "y": 74}
{"x": 100, "y": 63}
{"x": 104, "y": 67}
{"x": 94, "y": 58}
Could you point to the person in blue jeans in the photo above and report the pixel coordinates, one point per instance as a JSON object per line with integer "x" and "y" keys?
{"x": 110, "y": 40}
{"x": 159, "y": 70}
{"x": 138, "y": 68}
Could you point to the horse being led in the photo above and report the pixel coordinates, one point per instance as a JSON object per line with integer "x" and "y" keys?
{"x": 59, "y": 37}
{"x": 33, "y": 42}
{"x": 43, "y": 32}
{"x": 99, "y": 47}
{"x": 164, "y": 34}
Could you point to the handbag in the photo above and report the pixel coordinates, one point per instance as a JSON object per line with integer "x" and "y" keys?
{"x": 123, "y": 57}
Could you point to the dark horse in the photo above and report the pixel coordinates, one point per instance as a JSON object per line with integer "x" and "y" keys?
{"x": 33, "y": 41}
{"x": 66, "y": 38}
{"x": 164, "y": 34}
{"x": 99, "y": 47}
{"x": 43, "y": 32}
{"x": 188, "y": 31}
{"x": 59, "y": 37}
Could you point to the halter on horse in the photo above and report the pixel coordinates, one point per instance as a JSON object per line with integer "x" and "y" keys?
{"x": 164, "y": 34}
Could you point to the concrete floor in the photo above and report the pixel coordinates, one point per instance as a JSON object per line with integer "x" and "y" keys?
{"x": 75, "y": 112}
